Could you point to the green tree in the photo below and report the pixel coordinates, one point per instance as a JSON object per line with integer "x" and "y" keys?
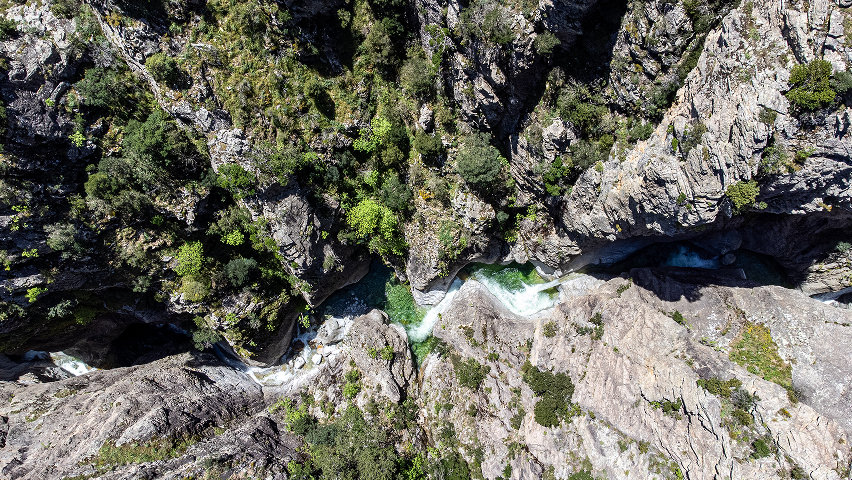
{"x": 743, "y": 195}
{"x": 377, "y": 223}
{"x": 240, "y": 271}
{"x": 190, "y": 258}
{"x": 237, "y": 180}
{"x": 810, "y": 85}
{"x": 416, "y": 76}
{"x": 479, "y": 163}
{"x": 165, "y": 69}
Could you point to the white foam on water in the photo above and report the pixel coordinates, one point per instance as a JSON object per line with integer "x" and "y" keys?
{"x": 685, "y": 257}
{"x": 72, "y": 365}
{"x": 830, "y": 298}
{"x": 421, "y": 331}
{"x": 290, "y": 368}
{"x": 527, "y": 301}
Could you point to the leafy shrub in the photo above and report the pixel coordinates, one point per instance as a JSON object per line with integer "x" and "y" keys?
{"x": 8, "y": 28}
{"x": 555, "y": 390}
{"x": 240, "y": 271}
{"x": 158, "y": 149}
{"x": 743, "y": 195}
{"x": 810, "y": 85}
{"x": 841, "y": 82}
{"x": 190, "y": 258}
{"x": 237, "y": 180}
{"x": 193, "y": 290}
{"x": 204, "y": 338}
{"x": 544, "y": 43}
{"x": 395, "y": 194}
{"x": 585, "y": 110}
{"x": 691, "y": 137}
{"x": 640, "y": 130}
{"x": 741, "y": 416}
{"x": 549, "y": 329}
{"x": 34, "y": 292}
{"x": 374, "y": 137}
{"x": 760, "y": 448}
{"x": 479, "y": 163}
{"x": 353, "y": 384}
{"x": 416, "y": 76}
{"x": 379, "y": 48}
{"x": 470, "y": 373}
{"x": 430, "y": 147}
{"x": 110, "y": 90}
{"x": 377, "y": 223}
{"x": 165, "y": 69}
{"x": 557, "y": 175}
{"x": 66, "y": 8}
{"x": 718, "y": 387}
{"x": 61, "y": 236}
{"x": 487, "y": 21}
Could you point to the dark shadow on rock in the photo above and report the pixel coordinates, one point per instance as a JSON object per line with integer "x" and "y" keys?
{"x": 675, "y": 283}
{"x": 144, "y": 343}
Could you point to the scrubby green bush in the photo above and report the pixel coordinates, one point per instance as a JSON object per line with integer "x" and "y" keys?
{"x": 810, "y": 85}
{"x": 479, "y": 163}
{"x": 61, "y": 236}
{"x": 545, "y": 42}
{"x": 240, "y": 271}
{"x": 430, "y": 147}
{"x": 718, "y": 387}
{"x": 760, "y": 448}
{"x": 691, "y": 137}
{"x": 395, "y": 194}
{"x": 34, "y": 292}
{"x": 110, "y": 90}
{"x": 378, "y": 225}
{"x": 585, "y": 110}
{"x": 190, "y": 259}
{"x": 416, "y": 76}
{"x": 555, "y": 391}
{"x": 8, "y": 28}
{"x": 165, "y": 69}
{"x": 841, "y": 82}
{"x": 557, "y": 176}
{"x": 237, "y": 180}
{"x": 66, "y": 8}
{"x": 743, "y": 195}
{"x": 470, "y": 373}
{"x": 158, "y": 149}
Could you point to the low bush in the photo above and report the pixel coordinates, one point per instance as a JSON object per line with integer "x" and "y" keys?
{"x": 555, "y": 391}
{"x": 470, "y": 373}
{"x": 545, "y": 42}
{"x": 428, "y": 146}
{"x": 237, "y": 180}
{"x": 165, "y": 69}
{"x": 479, "y": 163}
{"x": 190, "y": 258}
{"x": 240, "y": 271}
{"x": 743, "y": 195}
{"x": 416, "y": 76}
{"x": 810, "y": 85}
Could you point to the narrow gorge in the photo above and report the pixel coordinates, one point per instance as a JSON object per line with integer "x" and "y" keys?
{"x": 416, "y": 239}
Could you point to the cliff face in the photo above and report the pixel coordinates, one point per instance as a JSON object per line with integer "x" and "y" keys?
{"x": 664, "y": 382}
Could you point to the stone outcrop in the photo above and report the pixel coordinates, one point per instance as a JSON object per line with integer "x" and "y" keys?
{"x": 59, "y": 429}
{"x": 641, "y": 359}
